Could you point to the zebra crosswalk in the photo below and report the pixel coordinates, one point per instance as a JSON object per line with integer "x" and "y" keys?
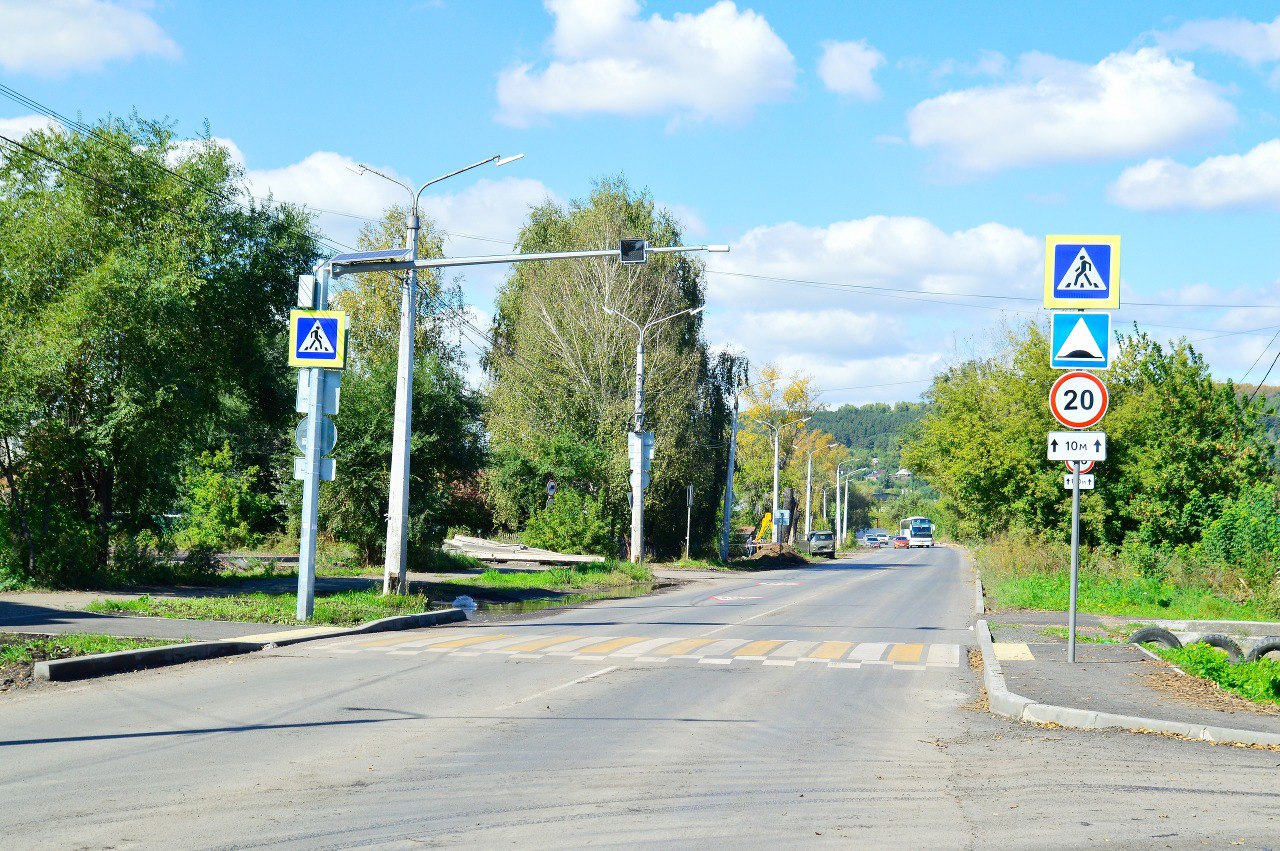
{"x": 775, "y": 652}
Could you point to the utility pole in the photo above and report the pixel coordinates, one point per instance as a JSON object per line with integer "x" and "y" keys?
{"x": 395, "y": 562}
{"x": 640, "y": 443}
{"x": 808, "y": 489}
{"x": 727, "y": 523}
{"x": 777, "y": 430}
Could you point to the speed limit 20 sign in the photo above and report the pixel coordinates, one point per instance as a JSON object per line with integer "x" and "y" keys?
{"x": 1078, "y": 399}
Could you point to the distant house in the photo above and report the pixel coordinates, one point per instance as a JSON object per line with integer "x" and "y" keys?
{"x": 873, "y": 477}
{"x": 902, "y": 474}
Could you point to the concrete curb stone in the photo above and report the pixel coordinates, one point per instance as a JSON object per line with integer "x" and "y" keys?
{"x": 101, "y": 664}
{"x": 1018, "y": 708}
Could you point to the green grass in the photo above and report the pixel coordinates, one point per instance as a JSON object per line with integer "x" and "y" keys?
{"x": 1082, "y": 636}
{"x": 25, "y": 649}
{"x": 564, "y": 578}
{"x": 1258, "y": 681}
{"x": 1134, "y": 596}
{"x": 347, "y": 608}
{"x": 696, "y": 564}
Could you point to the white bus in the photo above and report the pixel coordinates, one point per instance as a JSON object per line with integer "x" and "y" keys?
{"x": 917, "y": 530}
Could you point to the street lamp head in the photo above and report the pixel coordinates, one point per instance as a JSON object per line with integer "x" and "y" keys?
{"x": 609, "y": 310}
{"x": 511, "y": 159}
{"x": 718, "y": 249}
{"x": 697, "y": 310}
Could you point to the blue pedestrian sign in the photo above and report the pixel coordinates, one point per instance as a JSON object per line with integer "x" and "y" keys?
{"x": 318, "y": 338}
{"x": 1082, "y": 272}
{"x": 1080, "y": 341}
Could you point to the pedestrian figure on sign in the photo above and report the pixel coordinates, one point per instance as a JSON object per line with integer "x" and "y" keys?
{"x": 1085, "y": 266}
{"x": 315, "y": 342}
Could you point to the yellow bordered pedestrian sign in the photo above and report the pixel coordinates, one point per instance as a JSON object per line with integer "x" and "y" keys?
{"x": 318, "y": 338}
{"x": 1082, "y": 272}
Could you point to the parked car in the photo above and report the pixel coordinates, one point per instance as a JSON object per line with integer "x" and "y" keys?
{"x": 822, "y": 543}
{"x": 901, "y": 542}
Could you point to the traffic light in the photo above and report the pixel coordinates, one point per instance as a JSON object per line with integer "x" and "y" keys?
{"x": 631, "y": 251}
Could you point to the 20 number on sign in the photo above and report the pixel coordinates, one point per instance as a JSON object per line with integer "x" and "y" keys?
{"x": 1078, "y": 399}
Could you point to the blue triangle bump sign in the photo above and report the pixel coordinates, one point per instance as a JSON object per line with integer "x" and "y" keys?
{"x": 1080, "y": 341}
{"x": 318, "y": 338}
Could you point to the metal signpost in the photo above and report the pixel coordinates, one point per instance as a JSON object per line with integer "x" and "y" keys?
{"x": 688, "y": 522}
{"x": 317, "y": 344}
{"x": 1080, "y": 272}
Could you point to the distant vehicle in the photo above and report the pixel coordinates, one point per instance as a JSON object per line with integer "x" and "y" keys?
{"x": 917, "y": 530}
{"x": 901, "y": 542}
{"x": 822, "y": 543}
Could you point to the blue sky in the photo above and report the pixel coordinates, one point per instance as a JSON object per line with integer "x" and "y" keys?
{"x": 908, "y": 146}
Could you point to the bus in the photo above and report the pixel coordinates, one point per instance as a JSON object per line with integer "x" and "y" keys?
{"x": 917, "y": 530}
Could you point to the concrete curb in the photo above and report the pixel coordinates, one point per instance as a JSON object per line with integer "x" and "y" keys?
{"x": 1009, "y": 705}
{"x": 122, "y": 661}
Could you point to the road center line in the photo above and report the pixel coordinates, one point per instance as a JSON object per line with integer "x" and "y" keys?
{"x": 598, "y": 673}
{"x": 822, "y": 593}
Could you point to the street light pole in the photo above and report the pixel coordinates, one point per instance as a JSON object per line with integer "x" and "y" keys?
{"x": 728, "y": 486}
{"x": 395, "y": 561}
{"x": 777, "y": 430}
{"x": 808, "y": 489}
{"x": 637, "y": 474}
{"x": 841, "y": 520}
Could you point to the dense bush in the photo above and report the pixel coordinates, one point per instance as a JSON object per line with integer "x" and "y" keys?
{"x": 222, "y": 507}
{"x": 1259, "y": 681}
{"x": 572, "y": 523}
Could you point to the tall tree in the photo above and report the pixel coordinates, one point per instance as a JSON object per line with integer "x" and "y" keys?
{"x": 562, "y": 370}
{"x": 142, "y": 305}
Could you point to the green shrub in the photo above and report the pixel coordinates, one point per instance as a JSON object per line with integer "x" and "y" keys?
{"x": 573, "y": 523}
{"x": 1259, "y": 681}
{"x": 222, "y": 509}
{"x": 1247, "y": 535}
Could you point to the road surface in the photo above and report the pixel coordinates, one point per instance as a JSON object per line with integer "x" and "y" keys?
{"x": 826, "y": 704}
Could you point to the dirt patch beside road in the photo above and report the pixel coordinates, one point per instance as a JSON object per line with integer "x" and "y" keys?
{"x": 1202, "y": 693}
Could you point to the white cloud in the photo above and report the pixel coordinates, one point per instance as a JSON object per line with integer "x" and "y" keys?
{"x": 846, "y": 67}
{"x": 989, "y": 63}
{"x": 852, "y": 338}
{"x": 51, "y": 38}
{"x": 16, "y": 128}
{"x": 718, "y": 64}
{"x": 1234, "y": 181}
{"x": 1251, "y": 41}
{"x": 1128, "y": 104}
{"x": 886, "y": 251}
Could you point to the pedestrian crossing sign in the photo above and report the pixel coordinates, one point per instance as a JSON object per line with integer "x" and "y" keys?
{"x": 1080, "y": 341}
{"x": 318, "y": 338}
{"x": 1082, "y": 272}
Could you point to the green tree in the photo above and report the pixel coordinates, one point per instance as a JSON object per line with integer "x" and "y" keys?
{"x": 143, "y": 296}
{"x": 1179, "y": 444}
{"x": 561, "y": 370}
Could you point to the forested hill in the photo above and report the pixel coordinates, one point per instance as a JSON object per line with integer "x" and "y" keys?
{"x": 875, "y": 429}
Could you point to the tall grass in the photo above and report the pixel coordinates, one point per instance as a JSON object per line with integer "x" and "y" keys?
{"x": 1021, "y": 570}
{"x": 575, "y": 576}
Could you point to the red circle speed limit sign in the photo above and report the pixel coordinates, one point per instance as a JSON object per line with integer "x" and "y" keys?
{"x": 1078, "y": 399}
{"x": 1085, "y": 466}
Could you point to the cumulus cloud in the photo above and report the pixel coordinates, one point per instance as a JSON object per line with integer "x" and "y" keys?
{"x": 718, "y": 65}
{"x": 846, "y": 67}
{"x": 52, "y": 38}
{"x": 16, "y": 128}
{"x": 1231, "y": 182}
{"x": 1128, "y": 104}
{"x": 1254, "y": 42}
{"x": 888, "y": 251}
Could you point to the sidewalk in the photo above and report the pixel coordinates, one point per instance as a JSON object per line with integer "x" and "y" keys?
{"x": 45, "y": 618}
{"x": 1110, "y": 685}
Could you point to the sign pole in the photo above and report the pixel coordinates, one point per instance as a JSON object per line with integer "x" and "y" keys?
{"x": 311, "y": 481}
{"x": 688, "y": 524}
{"x": 1075, "y": 562}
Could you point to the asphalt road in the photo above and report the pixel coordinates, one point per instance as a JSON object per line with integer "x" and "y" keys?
{"x": 825, "y": 704}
